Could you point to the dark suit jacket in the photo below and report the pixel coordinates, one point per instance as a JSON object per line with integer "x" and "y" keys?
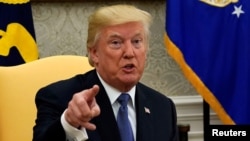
{"x": 52, "y": 100}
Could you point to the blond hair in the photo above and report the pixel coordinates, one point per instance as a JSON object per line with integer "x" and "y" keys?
{"x": 114, "y": 15}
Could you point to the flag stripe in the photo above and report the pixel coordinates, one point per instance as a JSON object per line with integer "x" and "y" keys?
{"x": 191, "y": 76}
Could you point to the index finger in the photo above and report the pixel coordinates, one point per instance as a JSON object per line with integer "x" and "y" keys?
{"x": 91, "y": 93}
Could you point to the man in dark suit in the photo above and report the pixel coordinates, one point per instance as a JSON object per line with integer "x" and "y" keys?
{"x": 85, "y": 107}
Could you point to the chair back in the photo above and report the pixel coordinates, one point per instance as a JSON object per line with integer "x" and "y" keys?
{"x": 19, "y": 85}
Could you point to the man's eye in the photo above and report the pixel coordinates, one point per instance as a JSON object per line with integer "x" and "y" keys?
{"x": 116, "y": 44}
{"x": 137, "y": 43}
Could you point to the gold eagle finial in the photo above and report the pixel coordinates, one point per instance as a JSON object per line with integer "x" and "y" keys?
{"x": 14, "y": 1}
{"x": 219, "y": 3}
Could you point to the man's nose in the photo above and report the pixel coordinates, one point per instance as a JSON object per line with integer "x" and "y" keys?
{"x": 129, "y": 50}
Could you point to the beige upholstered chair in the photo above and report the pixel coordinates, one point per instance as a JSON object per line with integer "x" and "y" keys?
{"x": 18, "y": 86}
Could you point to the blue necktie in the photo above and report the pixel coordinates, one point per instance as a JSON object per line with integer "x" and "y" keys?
{"x": 122, "y": 118}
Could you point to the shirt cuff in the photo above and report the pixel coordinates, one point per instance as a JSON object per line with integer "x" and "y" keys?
{"x": 73, "y": 133}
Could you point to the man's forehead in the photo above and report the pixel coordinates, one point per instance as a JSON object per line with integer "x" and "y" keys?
{"x": 113, "y": 34}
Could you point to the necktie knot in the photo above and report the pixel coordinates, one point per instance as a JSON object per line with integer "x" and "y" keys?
{"x": 123, "y": 99}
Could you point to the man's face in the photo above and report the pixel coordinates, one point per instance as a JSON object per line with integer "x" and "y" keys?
{"x": 120, "y": 54}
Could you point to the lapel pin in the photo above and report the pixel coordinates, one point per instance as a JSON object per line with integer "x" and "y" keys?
{"x": 147, "y": 110}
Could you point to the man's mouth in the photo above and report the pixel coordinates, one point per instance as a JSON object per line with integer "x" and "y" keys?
{"x": 129, "y": 66}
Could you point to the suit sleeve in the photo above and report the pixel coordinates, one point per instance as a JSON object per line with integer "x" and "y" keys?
{"x": 48, "y": 124}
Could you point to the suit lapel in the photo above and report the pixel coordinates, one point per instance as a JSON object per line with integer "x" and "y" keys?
{"x": 106, "y": 122}
{"x": 144, "y": 118}
{"x": 106, "y": 127}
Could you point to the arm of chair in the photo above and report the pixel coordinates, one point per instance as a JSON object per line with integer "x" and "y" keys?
{"x": 183, "y": 131}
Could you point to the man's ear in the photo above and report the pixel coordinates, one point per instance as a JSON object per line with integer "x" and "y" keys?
{"x": 93, "y": 54}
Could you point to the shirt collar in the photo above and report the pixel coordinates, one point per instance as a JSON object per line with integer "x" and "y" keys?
{"x": 113, "y": 93}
